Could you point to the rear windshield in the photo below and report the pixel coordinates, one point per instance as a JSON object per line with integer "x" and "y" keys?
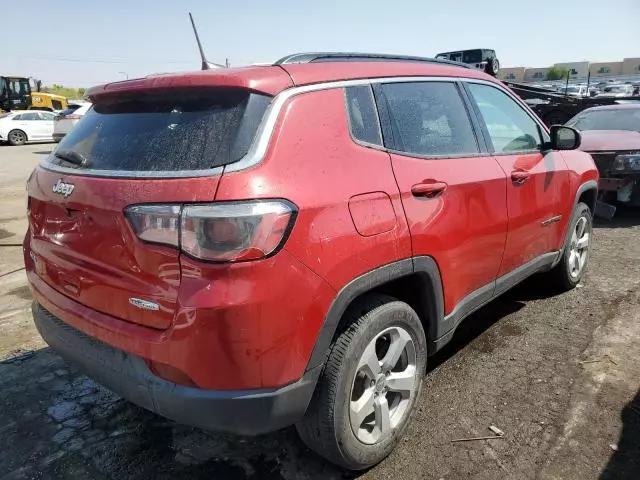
{"x": 174, "y": 130}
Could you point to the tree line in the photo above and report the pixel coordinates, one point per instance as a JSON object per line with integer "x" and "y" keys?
{"x": 68, "y": 92}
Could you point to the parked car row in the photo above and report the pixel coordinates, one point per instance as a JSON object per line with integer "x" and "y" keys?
{"x": 599, "y": 90}
{"x": 21, "y": 126}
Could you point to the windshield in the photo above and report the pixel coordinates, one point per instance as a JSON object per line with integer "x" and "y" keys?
{"x": 573, "y": 89}
{"x": 173, "y": 130}
{"x": 615, "y": 119}
{"x": 472, "y": 56}
{"x": 18, "y": 87}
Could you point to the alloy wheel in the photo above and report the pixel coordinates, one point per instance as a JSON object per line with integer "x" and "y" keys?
{"x": 17, "y": 137}
{"x": 384, "y": 385}
{"x": 579, "y": 247}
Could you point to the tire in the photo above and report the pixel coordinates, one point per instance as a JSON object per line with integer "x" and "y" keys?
{"x": 17, "y": 138}
{"x": 373, "y": 323}
{"x": 493, "y": 66}
{"x": 565, "y": 276}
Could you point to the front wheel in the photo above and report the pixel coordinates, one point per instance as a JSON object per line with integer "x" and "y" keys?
{"x": 369, "y": 386}
{"x": 570, "y": 270}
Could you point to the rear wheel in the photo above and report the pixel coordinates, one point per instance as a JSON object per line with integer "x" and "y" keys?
{"x": 369, "y": 385}
{"x": 570, "y": 270}
{"x": 17, "y": 137}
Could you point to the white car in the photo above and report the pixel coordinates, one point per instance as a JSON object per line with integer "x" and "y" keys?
{"x": 576, "y": 91}
{"x": 65, "y": 121}
{"x": 21, "y": 126}
{"x": 620, "y": 90}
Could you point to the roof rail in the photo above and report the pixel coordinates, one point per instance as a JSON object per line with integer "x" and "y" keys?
{"x": 319, "y": 57}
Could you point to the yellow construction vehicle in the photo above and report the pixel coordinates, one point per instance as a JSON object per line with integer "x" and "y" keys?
{"x": 47, "y": 101}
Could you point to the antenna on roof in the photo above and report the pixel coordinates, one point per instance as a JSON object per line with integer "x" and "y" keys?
{"x": 206, "y": 64}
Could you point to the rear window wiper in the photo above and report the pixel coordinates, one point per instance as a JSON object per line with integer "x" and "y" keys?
{"x": 74, "y": 157}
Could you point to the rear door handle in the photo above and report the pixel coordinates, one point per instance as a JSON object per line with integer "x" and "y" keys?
{"x": 428, "y": 190}
{"x": 520, "y": 176}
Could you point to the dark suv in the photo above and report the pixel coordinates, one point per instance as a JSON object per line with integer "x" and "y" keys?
{"x": 247, "y": 249}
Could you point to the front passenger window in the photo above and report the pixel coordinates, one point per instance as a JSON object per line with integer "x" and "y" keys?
{"x": 510, "y": 128}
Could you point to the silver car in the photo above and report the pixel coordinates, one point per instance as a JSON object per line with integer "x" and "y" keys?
{"x": 65, "y": 120}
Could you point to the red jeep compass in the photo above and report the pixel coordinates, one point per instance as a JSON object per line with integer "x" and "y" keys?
{"x": 246, "y": 249}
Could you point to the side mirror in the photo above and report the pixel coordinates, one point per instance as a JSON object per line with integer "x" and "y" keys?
{"x": 564, "y": 138}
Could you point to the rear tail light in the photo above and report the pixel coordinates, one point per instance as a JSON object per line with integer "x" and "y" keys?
{"x": 219, "y": 232}
{"x": 72, "y": 117}
{"x": 155, "y": 223}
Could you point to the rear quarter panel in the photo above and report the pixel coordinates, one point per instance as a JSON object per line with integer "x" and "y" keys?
{"x": 313, "y": 162}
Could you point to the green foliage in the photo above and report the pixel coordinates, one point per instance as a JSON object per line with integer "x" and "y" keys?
{"x": 68, "y": 92}
{"x": 557, "y": 73}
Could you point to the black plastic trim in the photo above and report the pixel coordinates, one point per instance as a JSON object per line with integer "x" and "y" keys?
{"x": 485, "y": 294}
{"x": 511, "y": 279}
{"x": 588, "y": 185}
{"x": 244, "y": 412}
{"x": 585, "y": 187}
{"x": 466, "y": 307}
{"x": 426, "y": 267}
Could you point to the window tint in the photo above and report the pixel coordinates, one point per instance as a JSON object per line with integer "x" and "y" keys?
{"x": 363, "y": 118}
{"x": 30, "y": 116}
{"x": 17, "y": 117}
{"x": 511, "y": 129}
{"x": 47, "y": 115}
{"x": 472, "y": 56}
{"x": 429, "y": 118}
{"x": 19, "y": 86}
{"x": 190, "y": 129}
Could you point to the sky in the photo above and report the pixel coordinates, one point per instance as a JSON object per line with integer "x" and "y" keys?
{"x": 83, "y": 43}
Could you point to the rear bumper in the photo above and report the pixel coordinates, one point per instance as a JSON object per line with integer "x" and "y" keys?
{"x": 245, "y": 412}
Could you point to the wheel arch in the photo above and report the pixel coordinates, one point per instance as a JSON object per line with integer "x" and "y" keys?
{"x": 415, "y": 281}
{"x": 587, "y": 192}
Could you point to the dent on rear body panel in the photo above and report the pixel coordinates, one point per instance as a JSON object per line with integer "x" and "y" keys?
{"x": 81, "y": 244}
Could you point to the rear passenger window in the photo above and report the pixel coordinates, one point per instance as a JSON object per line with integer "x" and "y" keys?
{"x": 363, "y": 118}
{"x": 430, "y": 119}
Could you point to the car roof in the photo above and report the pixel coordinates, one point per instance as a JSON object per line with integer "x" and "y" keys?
{"x": 295, "y": 70}
{"x": 617, "y": 106}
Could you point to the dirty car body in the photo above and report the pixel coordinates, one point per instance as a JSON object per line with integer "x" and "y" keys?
{"x": 246, "y": 249}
